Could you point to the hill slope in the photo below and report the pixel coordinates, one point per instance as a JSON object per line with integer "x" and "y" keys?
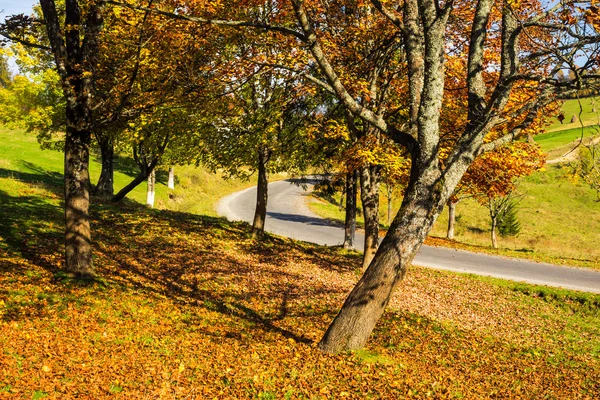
{"x": 192, "y": 307}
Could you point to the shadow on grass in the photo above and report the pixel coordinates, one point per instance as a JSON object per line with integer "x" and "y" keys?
{"x": 48, "y": 180}
{"x": 203, "y": 270}
{"x": 190, "y": 259}
{"x": 186, "y": 258}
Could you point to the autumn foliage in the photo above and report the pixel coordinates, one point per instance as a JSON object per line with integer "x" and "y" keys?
{"x": 192, "y": 307}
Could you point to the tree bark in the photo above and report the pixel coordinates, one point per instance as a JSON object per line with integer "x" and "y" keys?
{"x": 369, "y": 195}
{"x": 390, "y": 192}
{"x": 105, "y": 186}
{"x": 364, "y": 306}
{"x": 75, "y": 51}
{"x": 151, "y": 186}
{"x": 451, "y": 218}
{"x": 141, "y": 177}
{"x": 78, "y": 247}
{"x": 262, "y": 189}
{"x": 493, "y": 233}
{"x": 350, "y": 221}
{"x": 171, "y": 181}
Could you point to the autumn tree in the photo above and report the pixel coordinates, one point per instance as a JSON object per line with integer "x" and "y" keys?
{"x": 492, "y": 178}
{"x": 507, "y": 46}
{"x": 587, "y": 166}
{"x": 260, "y": 130}
{"x": 72, "y": 37}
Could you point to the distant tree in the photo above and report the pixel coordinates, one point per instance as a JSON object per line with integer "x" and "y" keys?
{"x": 492, "y": 179}
{"x": 508, "y": 222}
{"x": 5, "y": 75}
{"x": 502, "y": 211}
{"x": 259, "y": 129}
{"x": 587, "y": 166}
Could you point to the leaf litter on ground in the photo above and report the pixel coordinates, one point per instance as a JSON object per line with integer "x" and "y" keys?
{"x": 193, "y": 307}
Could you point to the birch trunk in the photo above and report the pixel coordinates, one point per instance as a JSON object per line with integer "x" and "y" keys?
{"x": 171, "y": 181}
{"x": 150, "y": 193}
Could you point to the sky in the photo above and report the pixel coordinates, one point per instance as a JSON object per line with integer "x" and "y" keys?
{"x": 10, "y": 7}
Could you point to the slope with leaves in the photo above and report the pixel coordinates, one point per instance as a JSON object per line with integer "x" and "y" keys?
{"x": 193, "y": 307}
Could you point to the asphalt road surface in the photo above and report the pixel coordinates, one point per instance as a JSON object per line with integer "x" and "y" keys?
{"x": 288, "y": 215}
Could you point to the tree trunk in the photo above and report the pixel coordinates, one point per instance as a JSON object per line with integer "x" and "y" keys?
{"x": 494, "y": 238}
{"x": 171, "y": 181}
{"x": 78, "y": 241}
{"x": 141, "y": 177}
{"x": 151, "y": 186}
{"x": 390, "y": 191}
{"x": 451, "y": 218}
{"x": 364, "y": 306}
{"x": 369, "y": 195}
{"x": 350, "y": 221}
{"x": 105, "y": 186}
{"x": 262, "y": 188}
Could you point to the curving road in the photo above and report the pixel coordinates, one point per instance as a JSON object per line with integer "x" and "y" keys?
{"x": 288, "y": 215}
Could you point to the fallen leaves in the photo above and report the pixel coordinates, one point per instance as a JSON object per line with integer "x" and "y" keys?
{"x": 207, "y": 312}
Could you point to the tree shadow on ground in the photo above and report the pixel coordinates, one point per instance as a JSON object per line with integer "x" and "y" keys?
{"x": 189, "y": 259}
{"x": 203, "y": 270}
{"x": 39, "y": 177}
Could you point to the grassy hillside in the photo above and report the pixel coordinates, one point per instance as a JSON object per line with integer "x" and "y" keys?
{"x": 559, "y": 143}
{"x": 192, "y": 307}
{"x": 196, "y": 189}
{"x": 587, "y": 112}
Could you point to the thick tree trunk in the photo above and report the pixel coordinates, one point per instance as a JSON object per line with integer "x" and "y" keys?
{"x": 105, "y": 186}
{"x": 364, "y": 306}
{"x": 151, "y": 186}
{"x": 350, "y": 221}
{"x": 369, "y": 195}
{"x": 78, "y": 246}
{"x": 262, "y": 188}
{"x": 171, "y": 181}
{"x": 451, "y": 218}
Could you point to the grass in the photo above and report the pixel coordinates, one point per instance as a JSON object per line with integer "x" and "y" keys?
{"x": 559, "y": 143}
{"x": 192, "y": 307}
{"x": 560, "y": 222}
{"x": 196, "y": 190}
{"x": 583, "y": 109}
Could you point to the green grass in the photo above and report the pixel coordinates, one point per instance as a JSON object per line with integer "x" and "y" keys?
{"x": 196, "y": 190}
{"x": 584, "y": 111}
{"x": 559, "y": 219}
{"x": 558, "y": 143}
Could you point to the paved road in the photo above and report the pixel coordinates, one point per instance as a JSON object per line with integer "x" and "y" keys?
{"x": 288, "y": 215}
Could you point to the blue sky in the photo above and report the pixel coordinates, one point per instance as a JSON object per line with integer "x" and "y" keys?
{"x": 9, "y": 7}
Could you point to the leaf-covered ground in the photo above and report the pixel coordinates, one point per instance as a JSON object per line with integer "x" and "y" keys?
{"x": 191, "y": 307}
